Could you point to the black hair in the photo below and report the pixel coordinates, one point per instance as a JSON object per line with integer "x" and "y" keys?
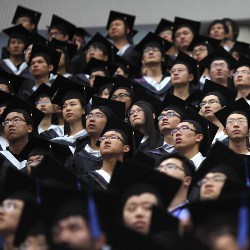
{"x": 19, "y": 37}
{"x": 217, "y": 21}
{"x": 107, "y": 86}
{"x": 234, "y": 25}
{"x": 26, "y": 115}
{"x": 100, "y": 46}
{"x": 188, "y": 65}
{"x": 221, "y": 98}
{"x": 59, "y": 27}
{"x": 46, "y": 57}
{"x": 207, "y": 45}
{"x": 220, "y": 58}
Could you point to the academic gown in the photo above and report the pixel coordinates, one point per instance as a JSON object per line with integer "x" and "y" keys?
{"x": 95, "y": 181}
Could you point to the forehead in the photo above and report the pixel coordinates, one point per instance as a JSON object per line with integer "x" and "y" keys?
{"x": 214, "y": 174}
{"x": 235, "y": 115}
{"x": 172, "y": 161}
{"x": 167, "y": 111}
{"x": 217, "y": 25}
{"x": 242, "y": 68}
{"x": 142, "y": 198}
{"x": 14, "y": 114}
{"x": 38, "y": 58}
{"x": 135, "y": 107}
{"x": 117, "y": 21}
{"x": 94, "y": 111}
{"x": 71, "y": 100}
{"x": 179, "y": 65}
{"x": 210, "y": 97}
{"x": 200, "y": 46}
{"x": 14, "y": 39}
{"x": 16, "y": 201}
{"x": 112, "y": 132}
{"x": 118, "y": 91}
{"x": 72, "y": 219}
{"x": 219, "y": 61}
{"x": 44, "y": 98}
{"x": 181, "y": 124}
{"x": 183, "y": 29}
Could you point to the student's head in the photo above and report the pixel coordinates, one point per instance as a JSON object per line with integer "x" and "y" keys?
{"x": 218, "y": 30}
{"x": 44, "y": 104}
{"x": 123, "y": 94}
{"x": 233, "y": 28}
{"x": 242, "y": 77}
{"x": 98, "y": 51}
{"x": 16, "y": 45}
{"x": 58, "y": 32}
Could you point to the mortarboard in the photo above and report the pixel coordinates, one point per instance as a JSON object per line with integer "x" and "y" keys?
{"x": 219, "y": 54}
{"x": 81, "y": 32}
{"x": 102, "y": 82}
{"x": 125, "y": 65}
{"x": 242, "y": 48}
{"x": 239, "y": 106}
{"x": 37, "y": 39}
{"x": 53, "y": 54}
{"x": 163, "y": 25}
{"x": 183, "y": 22}
{"x": 224, "y": 94}
{"x": 153, "y": 40}
{"x": 25, "y": 12}
{"x": 243, "y": 61}
{"x": 144, "y": 158}
{"x": 42, "y": 91}
{"x": 5, "y": 98}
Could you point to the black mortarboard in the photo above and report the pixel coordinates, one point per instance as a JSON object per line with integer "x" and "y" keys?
{"x": 163, "y": 25}
{"x": 68, "y": 89}
{"x": 18, "y": 32}
{"x": 151, "y": 40}
{"x": 203, "y": 126}
{"x": 42, "y": 91}
{"x": 114, "y": 107}
{"x": 102, "y": 43}
{"x": 69, "y": 48}
{"x": 14, "y": 82}
{"x": 219, "y": 54}
{"x": 242, "y": 48}
{"x": 128, "y": 19}
{"x": 204, "y": 40}
{"x": 81, "y": 32}
{"x": 134, "y": 178}
{"x": 38, "y": 39}
{"x": 243, "y": 61}
{"x": 5, "y": 98}
{"x": 23, "y": 106}
{"x": 239, "y": 106}
{"x": 102, "y": 82}
{"x": 224, "y": 94}
{"x": 125, "y": 65}
{"x": 222, "y": 159}
{"x": 182, "y": 22}
{"x": 53, "y": 54}
{"x": 96, "y": 65}
{"x": 144, "y": 158}
{"x": 25, "y": 12}
{"x": 194, "y": 67}
{"x": 57, "y": 22}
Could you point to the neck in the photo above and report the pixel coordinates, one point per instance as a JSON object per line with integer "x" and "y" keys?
{"x": 109, "y": 165}
{"x": 221, "y": 82}
{"x": 190, "y": 152}
{"x": 60, "y": 119}
{"x": 155, "y": 72}
{"x": 168, "y": 138}
{"x": 179, "y": 198}
{"x": 8, "y": 243}
{"x": 239, "y": 147}
{"x": 16, "y": 60}
{"x": 93, "y": 141}
{"x": 62, "y": 70}
{"x": 216, "y": 122}
{"x": 243, "y": 92}
{"x": 75, "y": 128}
{"x": 182, "y": 91}
{"x": 41, "y": 79}
{"x": 16, "y": 147}
{"x": 46, "y": 122}
{"x": 172, "y": 51}
{"x": 120, "y": 42}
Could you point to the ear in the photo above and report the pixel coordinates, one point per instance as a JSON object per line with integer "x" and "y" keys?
{"x": 191, "y": 77}
{"x": 128, "y": 31}
{"x": 32, "y": 26}
{"x": 126, "y": 148}
{"x": 105, "y": 58}
{"x": 30, "y": 129}
{"x": 51, "y": 67}
{"x": 225, "y": 131}
{"x": 66, "y": 37}
{"x": 199, "y": 137}
{"x": 187, "y": 181}
{"x": 230, "y": 73}
{"x": 83, "y": 111}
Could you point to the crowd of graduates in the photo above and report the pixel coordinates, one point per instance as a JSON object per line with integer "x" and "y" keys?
{"x": 107, "y": 144}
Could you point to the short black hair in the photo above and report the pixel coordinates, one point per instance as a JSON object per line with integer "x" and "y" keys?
{"x": 217, "y": 21}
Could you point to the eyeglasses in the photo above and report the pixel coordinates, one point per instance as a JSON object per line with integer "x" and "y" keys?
{"x": 121, "y": 96}
{"x": 218, "y": 65}
{"x": 200, "y": 50}
{"x": 137, "y": 111}
{"x": 242, "y": 72}
{"x": 110, "y": 138}
{"x": 43, "y": 102}
{"x": 148, "y": 49}
{"x": 214, "y": 179}
{"x": 169, "y": 167}
{"x": 56, "y": 33}
{"x": 170, "y": 114}
{"x": 231, "y": 121}
{"x": 14, "y": 121}
{"x": 33, "y": 163}
{"x": 182, "y": 129}
{"x": 27, "y": 51}
{"x": 95, "y": 49}
{"x": 179, "y": 71}
{"x": 97, "y": 115}
{"x": 210, "y": 102}
{"x": 8, "y": 206}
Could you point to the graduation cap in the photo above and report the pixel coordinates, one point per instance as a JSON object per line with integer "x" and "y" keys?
{"x": 25, "y": 12}
{"x": 194, "y": 67}
{"x": 125, "y": 65}
{"x": 14, "y": 82}
{"x": 100, "y": 42}
{"x": 203, "y": 126}
{"x": 115, "y": 15}
{"x": 205, "y": 41}
{"x": 54, "y": 55}
{"x": 113, "y": 108}
{"x": 144, "y": 158}
{"x": 243, "y": 49}
{"x": 5, "y": 98}
{"x": 134, "y": 178}
{"x": 62, "y": 24}
{"x": 81, "y": 32}
{"x": 153, "y": 40}
{"x": 96, "y": 65}
{"x": 239, "y": 106}
{"x": 24, "y": 107}
{"x": 224, "y": 94}
{"x": 69, "y": 89}
{"x": 194, "y": 26}
{"x": 102, "y": 82}
{"x": 18, "y": 32}
{"x": 37, "y": 39}
{"x": 69, "y": 48}
{"x": 243, "y": 61}
{"x": 42, "y": 91}
{"x": 164, "y": 25}
{"x": 219, "y": 54}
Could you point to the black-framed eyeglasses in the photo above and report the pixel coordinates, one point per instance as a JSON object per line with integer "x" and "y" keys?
{"x": 169, "y": 167}
{"x": 214, "y": 179}
{"x": 111, "y": 138}
{"x": 14, "y": 121}
{"x": 121, "y": 96}
{"x": 210, "y": 102}
{"x": 182, "y": 129}
{"x": 170, "y": 114}
{"x": 97, "y": 115}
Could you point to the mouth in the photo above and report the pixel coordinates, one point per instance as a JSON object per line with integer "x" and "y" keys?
{"x": 165, "y": 123}
{"x": 178, "y": 140}
{"x": 91, "y": 126}
{"x": 176, "y": 78}
{"x": 208, "y": 111}
{"x": 106, "y": 146}
{"x": 236, "y": 132}
{"x": 43, "y": 109}
{"x": 139, "y": 224}
{"x": 69, "y": 114}
{"x": 11, "y": 131}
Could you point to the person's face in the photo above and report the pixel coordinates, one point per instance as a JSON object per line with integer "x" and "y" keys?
{"x": 211, "y": 186}
{"x": 16, "y": 47}
{"x": 170, "y": 119}
{"x": 16, "y": 131}
{"x": 186, "y": 137}
{"x": 200, "y": 52}
{"x": 10, "y": 213}
{"x": 219, "y": 71}
{"x": 27, "y": 53}
{"x": 137, "y": 117}
{"x": 236, "y": 127}
{"x": 242, "y": 77}
{"x": 57, "y": 109}
{"x": 225, "y": 242}
{"x": 183, "y": 38}
{"x": 72, "y": 110}
{"x": 93, "y": 75}
{"x": 26, "y": 23}
{"x": 95, "y": 122}
{"x": 73, "y": 232}
{"x": 235, "y": 55}
{"x": 137, "y": 212}
{"x": 120, "y": 72}
{"x": 55, "y": 33}
{"x": 180, "y": 75}
{"x": 33, "y": 161}
{"x": 217, "y": 32}
{"x": 62, "y": 59}
{"x": 122, "y": 95}
{"x": 95, "y": 52}
{"x": 44, "y": 104}
{"x": 4, "y": 88}
{"x": 117, "y": 29}
{"x": 105, "y": 93}
{"x": 78, "y": 41}
{"x": 113, "y": 148}
{"x": 167, "y": 35}
{"x": 37, "y": 242}
{"x": 151, "y": 56}
{"x": 209, "y": 105}
{"x": 39, "y": 67}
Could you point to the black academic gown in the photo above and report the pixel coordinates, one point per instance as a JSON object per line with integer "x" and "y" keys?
{"x": 94, "y": 181}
